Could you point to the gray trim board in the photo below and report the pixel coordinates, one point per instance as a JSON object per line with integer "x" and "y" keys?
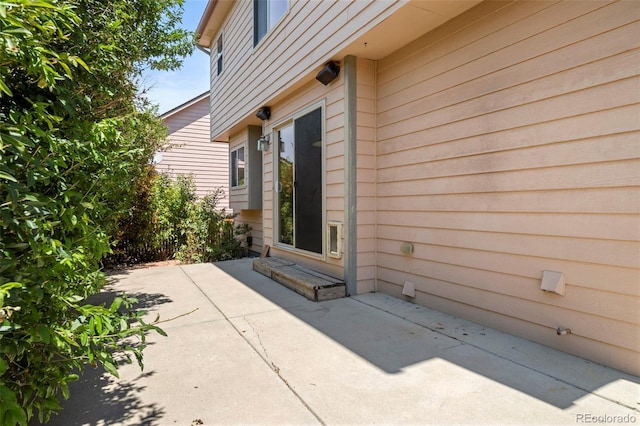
{"x": 350, "y": 169}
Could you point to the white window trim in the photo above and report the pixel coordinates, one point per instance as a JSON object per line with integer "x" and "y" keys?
{"x": 219, "y": 49}
{"x": 231, "y": 171}
{"x": 273, "y": 28}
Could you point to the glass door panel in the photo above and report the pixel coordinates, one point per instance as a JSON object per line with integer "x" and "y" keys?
{"x": 299, "y": 185}
{"x": 285, "y": 184}
{"x": 308, "y": 182}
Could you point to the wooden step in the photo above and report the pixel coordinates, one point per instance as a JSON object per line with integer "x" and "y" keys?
{"x": 307, "y": 282}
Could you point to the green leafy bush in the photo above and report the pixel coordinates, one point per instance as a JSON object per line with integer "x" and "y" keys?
{"x": 135, "y": 226}
{"x": 169, "y": 222}
{"x": 172, "y": 203}
{"x": 202, "y": 232}
{"x": 74, "y": 139}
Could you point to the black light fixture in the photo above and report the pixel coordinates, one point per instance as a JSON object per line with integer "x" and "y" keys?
{"x": 264, "y": 113}
{"x": 328, "y": 73}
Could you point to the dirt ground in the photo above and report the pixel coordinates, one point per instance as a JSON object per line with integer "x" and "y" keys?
{"x": 171, "y": 262}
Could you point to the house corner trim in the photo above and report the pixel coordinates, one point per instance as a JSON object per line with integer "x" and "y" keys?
{"x": 350, "y": 175}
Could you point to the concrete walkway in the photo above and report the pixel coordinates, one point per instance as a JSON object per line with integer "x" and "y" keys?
{"x": 255, "y": 352}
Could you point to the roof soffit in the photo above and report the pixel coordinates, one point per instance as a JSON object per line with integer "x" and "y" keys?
{"x": 413, "y": 20}
{"x": 212, "y": 19}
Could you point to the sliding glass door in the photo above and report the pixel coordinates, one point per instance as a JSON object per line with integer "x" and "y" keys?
{"x": 299, "y": 185}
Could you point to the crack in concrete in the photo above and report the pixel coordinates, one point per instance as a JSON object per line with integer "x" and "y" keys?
{"x": 266, "y": 357}
{"x": 272, "y": 366}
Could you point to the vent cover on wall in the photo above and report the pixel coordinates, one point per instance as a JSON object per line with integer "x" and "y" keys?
{"x": 334, "y": 239}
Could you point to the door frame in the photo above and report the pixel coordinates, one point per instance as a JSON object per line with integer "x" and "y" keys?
{"x": 275, "y": 160}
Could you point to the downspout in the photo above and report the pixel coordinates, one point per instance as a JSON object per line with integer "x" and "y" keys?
{"x": 350, "y": 175}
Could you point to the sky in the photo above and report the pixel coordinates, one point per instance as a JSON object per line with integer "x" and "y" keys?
{"x": 168, "y": 89}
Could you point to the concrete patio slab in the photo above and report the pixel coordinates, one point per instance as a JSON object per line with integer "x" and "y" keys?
{"x": 257, "y": 353}
{"x": 165, "y": 291}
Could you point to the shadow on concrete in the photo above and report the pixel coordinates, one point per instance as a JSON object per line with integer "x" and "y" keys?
{"x": 145, "y": 301}
{"x": 384, "y": 339}
{"x": 391, "y": 339}
{"x": 99, "y": 400}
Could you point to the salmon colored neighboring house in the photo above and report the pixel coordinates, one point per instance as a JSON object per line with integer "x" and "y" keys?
{"x": 192, "y": 151}
{"x": 484, "y": 153}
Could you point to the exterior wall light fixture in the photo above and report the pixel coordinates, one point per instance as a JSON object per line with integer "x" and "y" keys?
{"x": 263, "y": 143}
{"x": 328, "y": 73}
{"x": 264, "y": 113}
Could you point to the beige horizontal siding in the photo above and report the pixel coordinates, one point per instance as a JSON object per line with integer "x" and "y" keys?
{"x": 190, "y": 151}
{"x": 507, "y": 144}
{"x": 579, "y": 225}
{"x": 255, "y": 76}
{"x": 494, "y": 279}
{"x": 253, "y": 218}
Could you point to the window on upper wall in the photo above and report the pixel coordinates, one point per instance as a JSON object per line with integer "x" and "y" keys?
{"x": 219, "y": 54}
{"x": 266, "y": 14}
{"x": 237, "y": 167}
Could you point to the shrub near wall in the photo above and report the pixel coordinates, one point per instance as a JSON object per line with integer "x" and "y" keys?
{"x": 202, "y": 231}
{"x": 171, "y": 223}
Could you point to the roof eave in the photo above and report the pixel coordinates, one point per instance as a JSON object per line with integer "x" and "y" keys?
{"x": 184, "y": 105}
{"x": 212, "y": 20}
{"x": 204, "y": 20}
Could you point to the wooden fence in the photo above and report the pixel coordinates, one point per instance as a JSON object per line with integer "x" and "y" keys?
{"x": 130, "y": 251}
{"x": 149, "y": 248}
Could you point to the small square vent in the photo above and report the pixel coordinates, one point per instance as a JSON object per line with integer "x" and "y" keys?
{"x": 553, "y": 282}
{"x": 334, "y": 240}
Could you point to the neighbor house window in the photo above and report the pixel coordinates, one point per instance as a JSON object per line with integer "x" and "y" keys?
{"x": 266, "y": 14}
{"x": 219, "y": 54}
{"x": 237, "y": 167}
